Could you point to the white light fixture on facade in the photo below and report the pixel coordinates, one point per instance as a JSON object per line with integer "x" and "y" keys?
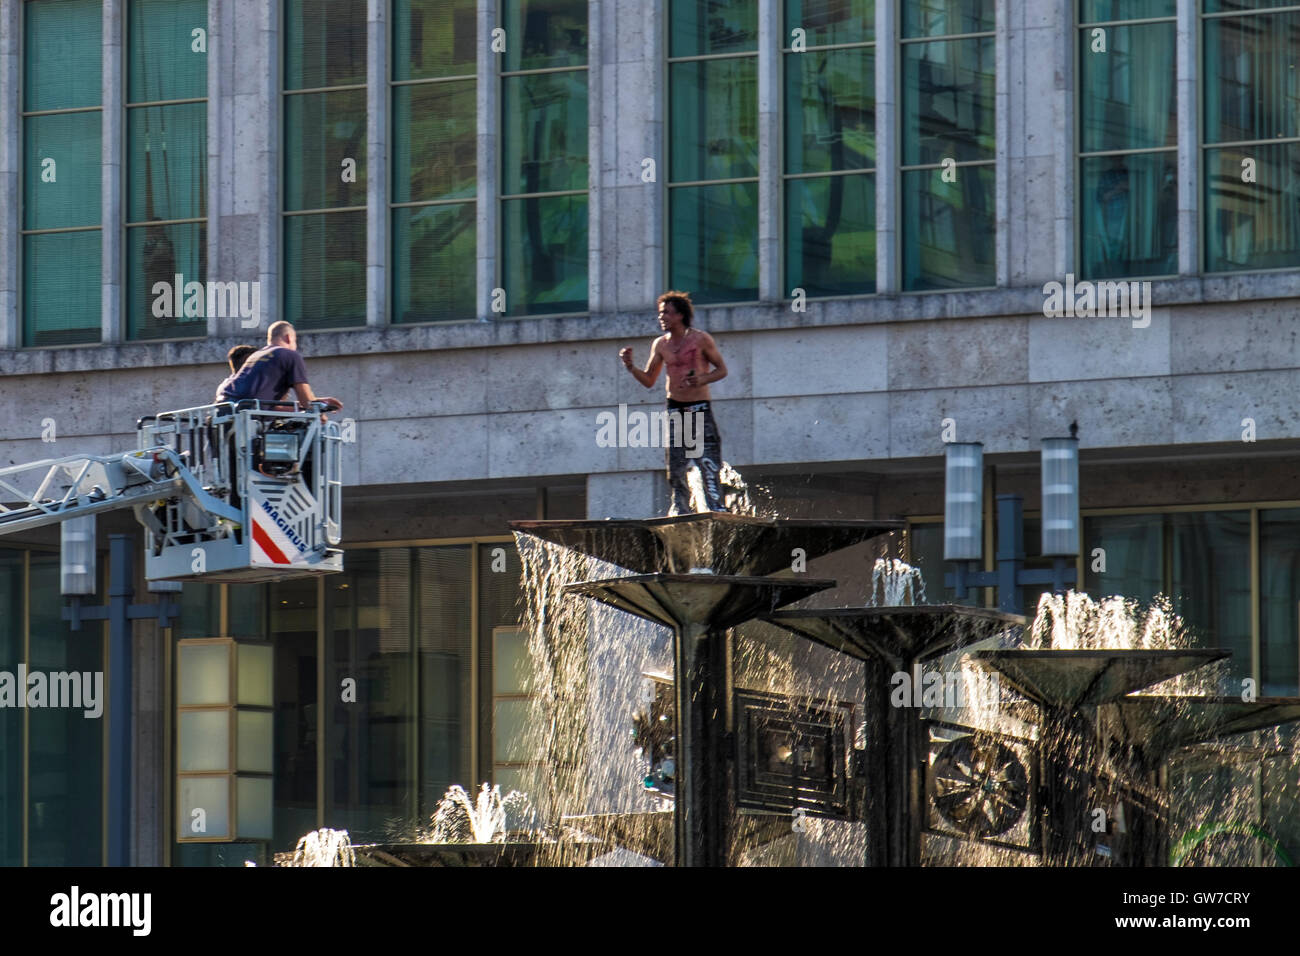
{"x": 77, "y": 555}
{"x": 963, "y": 501}
{"x": 224, "y": 726}
{"x": 1060, "y": 476}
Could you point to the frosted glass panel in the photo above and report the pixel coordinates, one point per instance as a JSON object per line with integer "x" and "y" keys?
{"x": 204, "y": 740}
{"x": 510, "y": 663}
{"x": 508, "y": 734}
{"x": 256, "y": 741}
{"x": 254, "y": 796}
{"x": 212, "y": 796}
{"x": 204, "y": 674}
{"x": 255, "y": 668}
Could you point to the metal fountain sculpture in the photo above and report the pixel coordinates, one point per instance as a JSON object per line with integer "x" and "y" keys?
{"x": 704, "y": 575}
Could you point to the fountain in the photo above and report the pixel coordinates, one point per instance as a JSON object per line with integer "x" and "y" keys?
{"x": 1075, "y": 706}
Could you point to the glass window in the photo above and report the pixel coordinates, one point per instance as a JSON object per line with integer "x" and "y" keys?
{"x": 830, "y": 127}
{"x": 713, "y": 252}
{"x": 1251, "y": 101}
{"x": 13, "y": 599}
{"x": 435, "y": 161}
{"x": 1128, "y": 201}
{"x": 1279, "y": 602}
{"x": 544, "y": 166}
{"x": 324, "y": 243}
{"x": 712, "y": 138}
{"x": 65, "y": 748}
{"x": 166, "y": 165}
{"x": 504, "y": 667}
{"x": 1199, "y": 559}
{"x": 293, "y": 608}
{"x": 948, "y": 115}
{"x": 62, "y": 57}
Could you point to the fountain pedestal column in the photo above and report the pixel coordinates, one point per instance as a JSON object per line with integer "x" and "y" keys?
{"x": 890, "y": 640}
{"x": 701, "y": 609}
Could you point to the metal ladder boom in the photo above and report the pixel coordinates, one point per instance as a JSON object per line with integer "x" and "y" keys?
{"x": 56, "y": 489}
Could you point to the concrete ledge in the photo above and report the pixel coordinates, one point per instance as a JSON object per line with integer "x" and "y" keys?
{"x": 866, "y": 310}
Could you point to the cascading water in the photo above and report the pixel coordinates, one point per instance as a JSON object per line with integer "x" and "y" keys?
{"x": 894, "y": 583}
{"x": 489, "y": 818}
{"x": 324, "y": 847}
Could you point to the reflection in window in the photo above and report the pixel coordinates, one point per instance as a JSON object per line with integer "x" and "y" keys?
{"x": 830, "y": 128}
{"x": 1128, "y": 201}
{"x": 324, "y": 183}
{"x": 712, "y": 140}
{"x": 947, "y": 176}
{"x": 544, "y": 166}
{"x": 166, "y": 167}
{"x": 62, "y": 57}
{"x": 1252, "y": 100}
{"x": 435, "y": 160}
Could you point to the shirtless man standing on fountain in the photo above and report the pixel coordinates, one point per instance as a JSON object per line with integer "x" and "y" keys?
{"x": 688, "y": 353}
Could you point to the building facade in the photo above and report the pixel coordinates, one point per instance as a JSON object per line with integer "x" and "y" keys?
{"x": 468, "y": 208}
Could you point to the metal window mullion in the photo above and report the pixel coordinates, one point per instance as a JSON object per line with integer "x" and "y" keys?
{"x": 420, "y": 203}
{"x": 600, "y": 143}
{"x": 487, "y": 213}
{"x": 1138, "y": 21}
{"x": 921, "y": 167}
{"x": 1244, "y": 143}
{"x": 112, "y": 182}
{"x": 830, "y": 172}
{"x": 1101, "y": 153}
{"x": 323, "y": 712}
{"x": 53, "y": 230}
{"x": 1188, "y": 163}
{"x": 573, "y": 68}
{"x": 713, "y": 182}
{"x": 831, "y": 47}
{"x": 165, "y": 222}
{"x": 29, "y": 114}
{"x": 426, "y": 80}
{"x": 378, "y": 104}
{"x": 346, "y": 87}
{"x": 145, "y": 104}
{"x": 475, "y": 768}
{"x": 947, "y": 37}
{"x": 546, "y": 195}
{"x": 1005, "y": 32}
{"x": 697, "y": 57}
{"x": 769, "y": 152}
{"x": 324, "y": 211}
{"x": 1256, "y": 596}
{"x": 888, "y": 127}
{"x": 1259, "y": 12}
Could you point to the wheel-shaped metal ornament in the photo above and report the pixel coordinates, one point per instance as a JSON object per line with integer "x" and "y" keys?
{"x": 980, "y": 787}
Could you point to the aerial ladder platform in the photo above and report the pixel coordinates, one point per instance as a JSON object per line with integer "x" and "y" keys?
{"x": 239, "y": 492}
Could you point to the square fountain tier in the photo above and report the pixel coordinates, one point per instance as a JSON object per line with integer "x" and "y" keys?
{"x": 714, "y": 601}
{"x": 1066, "y": 679}
{"x": 896, "y": 634}
{"x": 723, "y": 543}
{"x": 1162, "y": 724}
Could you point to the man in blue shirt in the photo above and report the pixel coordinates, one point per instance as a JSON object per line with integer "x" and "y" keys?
{"x": 269, "y": 373}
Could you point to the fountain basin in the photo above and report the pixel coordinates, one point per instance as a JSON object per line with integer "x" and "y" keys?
{"x": 899, "y": 635}
{"x": 725, "y": 543}
{"x": 713, "y": 601}
{"x": 1066, "y": 679}
{"x": 1161, "y": 725}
